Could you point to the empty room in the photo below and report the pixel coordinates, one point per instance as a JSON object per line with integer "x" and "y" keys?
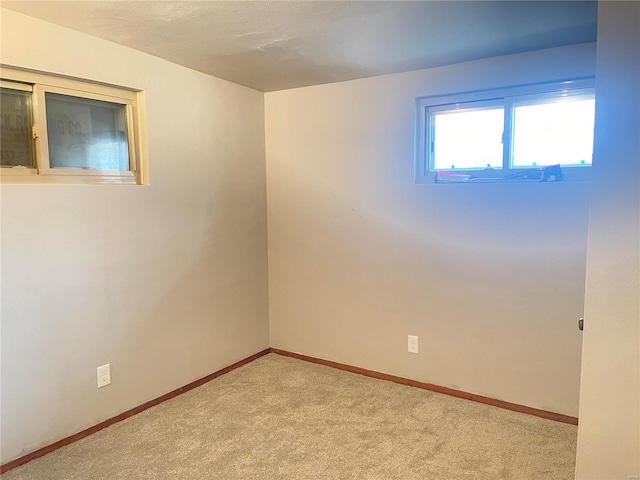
{"x": 320, "y": 240}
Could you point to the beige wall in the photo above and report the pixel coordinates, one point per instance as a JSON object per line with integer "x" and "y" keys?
{"x": 489, "y": 276}
{"x": 609, "y": 432}
{"x": 168, "y": 283}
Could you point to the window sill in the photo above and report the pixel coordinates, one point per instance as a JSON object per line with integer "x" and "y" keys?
{"x": 545, "y": 174}
{"x": 34, "y": 179}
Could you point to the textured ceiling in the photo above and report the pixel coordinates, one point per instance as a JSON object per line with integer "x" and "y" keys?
{"x": 269, "y": 45}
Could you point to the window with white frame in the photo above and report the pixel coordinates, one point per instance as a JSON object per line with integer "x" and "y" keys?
{"x": 509, "y": 134}
{"x": 59, "y": 130}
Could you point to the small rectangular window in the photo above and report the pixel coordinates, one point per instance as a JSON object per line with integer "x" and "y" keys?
{"x": 556, "y": 131}
{"x": 86, "y": 134}
{"x": 16, "y": 140}
{"x": 58, "y": 130}
{"x": 511, "y": 134}
{"x": 481, "y": 146}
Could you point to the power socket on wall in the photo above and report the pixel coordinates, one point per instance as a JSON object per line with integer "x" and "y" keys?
{"x": 104, "y": 375}
{"x": 412, "y": 344}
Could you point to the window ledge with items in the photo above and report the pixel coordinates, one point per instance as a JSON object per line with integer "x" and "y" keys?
{"x": 67, "y": 131}
{"x": 540, "y": 132}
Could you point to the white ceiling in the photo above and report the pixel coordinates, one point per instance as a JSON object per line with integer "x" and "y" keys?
{"x": 274, "y": 45}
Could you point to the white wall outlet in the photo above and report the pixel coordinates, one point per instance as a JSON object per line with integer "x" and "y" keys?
{"x": 104, "y": 375}
{"x": 412, "y": 344}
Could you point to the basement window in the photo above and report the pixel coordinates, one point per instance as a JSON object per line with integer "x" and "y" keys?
{"x": 58, "y": 130}
{"x": 541, "y": 132}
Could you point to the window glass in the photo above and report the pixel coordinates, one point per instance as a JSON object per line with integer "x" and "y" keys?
{"x": 86, "y": 134}
{"x": 16, "y": 141}
{"x": 559, "y": 131}
{"x": 469, "y": 138}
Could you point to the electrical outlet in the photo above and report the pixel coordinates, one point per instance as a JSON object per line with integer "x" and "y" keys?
{"x": 104, "y": 375}
{"x": 412, "y": 341}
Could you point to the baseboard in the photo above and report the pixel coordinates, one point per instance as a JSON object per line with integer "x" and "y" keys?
{"x": 129, "y": 413}
{"x": 434, "y": 388}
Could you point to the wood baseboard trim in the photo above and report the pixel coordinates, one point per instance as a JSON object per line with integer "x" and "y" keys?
{"x": 434, "y": 388}
{"x": 129, "y": 413}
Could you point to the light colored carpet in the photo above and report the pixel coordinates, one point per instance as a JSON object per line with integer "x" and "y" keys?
{"x": 280, "y": 418}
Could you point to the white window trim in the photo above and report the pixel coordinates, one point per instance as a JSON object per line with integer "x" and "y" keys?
{"x": 507, "y": 96}
{"x": 40, "y": 84}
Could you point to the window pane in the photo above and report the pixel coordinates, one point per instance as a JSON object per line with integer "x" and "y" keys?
{"x": 15, "y": 137}
{"x": 555, "y": 132}
{"x": 87, "y": 134}
{"x": 466, "y": 139}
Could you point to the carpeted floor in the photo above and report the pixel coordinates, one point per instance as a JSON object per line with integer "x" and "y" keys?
{"x": 280, "y": 418}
